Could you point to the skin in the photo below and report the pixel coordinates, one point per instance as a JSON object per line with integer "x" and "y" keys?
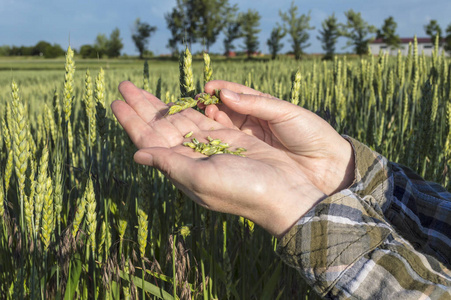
{"x": 294, "y": 158}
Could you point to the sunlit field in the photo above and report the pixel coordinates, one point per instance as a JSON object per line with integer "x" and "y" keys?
{"x": 80, "y": 219}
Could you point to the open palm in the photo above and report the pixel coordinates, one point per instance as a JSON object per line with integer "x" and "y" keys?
{"x": 267, "y": 186}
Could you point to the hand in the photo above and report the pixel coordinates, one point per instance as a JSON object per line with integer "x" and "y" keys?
{"x": 320, "y": 152}
{"x": 267, "y": 186}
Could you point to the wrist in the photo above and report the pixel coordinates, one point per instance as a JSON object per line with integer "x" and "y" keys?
{"x": 306, "y": 198}
{"x": 341, "y": 173}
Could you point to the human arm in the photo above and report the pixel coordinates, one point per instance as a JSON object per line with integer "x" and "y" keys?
{"x": 386, "y": 236}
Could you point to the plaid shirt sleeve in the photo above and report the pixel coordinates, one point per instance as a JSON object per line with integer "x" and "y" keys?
{"x": 388, "y": 236}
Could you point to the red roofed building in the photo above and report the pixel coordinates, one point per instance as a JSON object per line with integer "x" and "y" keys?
{"x": 424, "y": 44}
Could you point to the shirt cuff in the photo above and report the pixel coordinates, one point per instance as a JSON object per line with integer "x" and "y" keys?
{"x": 331, "y": 237}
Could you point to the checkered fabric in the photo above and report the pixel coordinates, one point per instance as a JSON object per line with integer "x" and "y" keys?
{"x": 388, "y": 236}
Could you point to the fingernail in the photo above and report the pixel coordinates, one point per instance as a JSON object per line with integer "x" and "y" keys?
{"x": 232, "y": 96}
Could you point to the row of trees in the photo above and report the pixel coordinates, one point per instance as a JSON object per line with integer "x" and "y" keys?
{"x": 102, "y": 46}
{"x": 192, "y": 21}
{"x": 202, "y": 21}
{"x": 110, "y": 47}
{"x": 113, "y": 45}
{"x": 42, "y": 48}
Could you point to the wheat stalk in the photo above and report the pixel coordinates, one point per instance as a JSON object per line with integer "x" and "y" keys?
{"x": 295, "y": 87}
{"x": 6, "y": 134}
{"x": 90, "y": 109}
{"x": 48, "y": 222}
{"x": 102, "y": 238}
{"x": 40, "y": 186}
{"x": 68, "y": 92}
{"x": 91, "y": 215}
{"x": 208, "y": 71}
{"x": 146, "y": 77}
{"x": 50, "y": 123}
{"x": 8, "y": 170}
{"x": 158, "y": 89}
{"x": 58, "y": 188}
{"x": 21, "y": 145}
{"x": 2, "y": 202}
{"x": 79, "y": 214}
{"x": 99, "y": 95}
{"x": 142, "y": 231}
{"x": 187, "y": 88}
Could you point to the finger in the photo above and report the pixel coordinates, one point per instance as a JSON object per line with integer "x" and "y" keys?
{"x": 161, "y": 133}
{"x": 262, "y": 107}
{"x": 181, "y": 169}
{"x": 211, "y": 110}
{"x": 160, "y": 105}
{"x": 236, "y": 87}
{"x": 223, "y": 119}
{"x": 223, "y": 115}
{"x": 139, "y": 132}
{"x": 139, "y": 101}
{"x": 165, "y": 132}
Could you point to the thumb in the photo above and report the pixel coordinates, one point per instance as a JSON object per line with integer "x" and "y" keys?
{"x": 259, "y": 106}
{"x": 175, "y": 165}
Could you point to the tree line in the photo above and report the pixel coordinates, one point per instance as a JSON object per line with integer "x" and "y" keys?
{"x": 202, "y": 21}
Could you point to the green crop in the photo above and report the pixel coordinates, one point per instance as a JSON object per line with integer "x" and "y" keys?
{"x": 79, "y": 219}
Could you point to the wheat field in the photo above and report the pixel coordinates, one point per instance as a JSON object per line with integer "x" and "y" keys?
{"x": 79, "y": 219}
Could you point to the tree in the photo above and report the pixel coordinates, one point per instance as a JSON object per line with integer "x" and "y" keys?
{"x": 194, "y": 20}
{"x": 191, "y": 20}
{"x": 297, "y": 27}
{"x": 175, "y": 23}
{"x": 5, "y": 50}
{"x": 250, "y": 22}
{"x": 211, "y": 19}
{"x": 114, "y": 45}
{"x": 329, "y": 35}
{"x": 15, "y": 51}
{"x": 388, "y": 33}
{"x": 53, "y": 51}
{"x": 232, "y": 29}
{"x": 141, "y": 34}
{"x": 357, "y": 31}
{"x": 39, "y": 48}
{"x": 21, "y": 51}
{"x": 101, "y": 45}
{"x": 88, "y": 51}
{"x": 448, "y": 39}
{"x": 433, "y": 30}
{"x": 183, "y": 22}
{"x": 274, "y": 44}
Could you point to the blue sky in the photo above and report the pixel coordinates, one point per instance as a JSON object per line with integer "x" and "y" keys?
{"x": 25, "y": 22}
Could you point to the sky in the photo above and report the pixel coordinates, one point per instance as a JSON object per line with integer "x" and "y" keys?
{"x": 78, "y": 22}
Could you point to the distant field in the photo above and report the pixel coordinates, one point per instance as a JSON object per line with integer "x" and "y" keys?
{"x": 38, "y": 77}
{"x": 31, "y": 63}
{"x": 38, "y": 63}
